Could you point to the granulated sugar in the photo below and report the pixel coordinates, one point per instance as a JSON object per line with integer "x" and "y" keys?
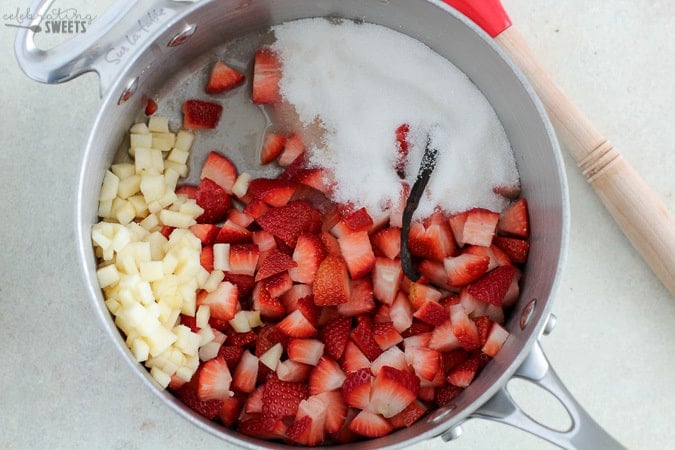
{"x": 361, "y": 82}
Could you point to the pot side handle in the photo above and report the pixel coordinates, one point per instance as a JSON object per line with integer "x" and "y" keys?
{"x": 106, "y": 46}
{"x": 584, "y": 433}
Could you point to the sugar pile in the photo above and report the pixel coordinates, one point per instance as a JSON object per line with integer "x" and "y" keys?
{"x": 360, "y": 82}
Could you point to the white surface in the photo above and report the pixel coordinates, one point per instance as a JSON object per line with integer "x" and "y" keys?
{"x": 63, "y": 385}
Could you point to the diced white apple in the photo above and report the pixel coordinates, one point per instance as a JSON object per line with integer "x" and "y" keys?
{"x": 140, "y": 206}
{"x": 178, "y": 156}
{"x": 123, "y": 170}
{"x": 176, "y": 219}
{"x": 206, "y": 335}
{"x": 99, "y": 238}
{"x": 163, "y": 141}
{"x": 151, "y": 222}
{"x": 161, "y": 377}
{"x": 125, "y": 213}
{"x": 254, "y": 319}
{"x": 203, "y": 315}
{"x": 140, "y": 128}
{"x": 240, "y": 186}
{"x": 168, "y": 198}
{"x": 272, "y": 356}
{"x": 151, "y": 270}
{"x": 107, "y": 276}
{"x": 186, "y": 341}
{"x": 109, "y": 187}
{"x": 140, "y": 140}
{"x": 159, "y": 340}
{"x": 144, "y": 292}
{"x": 184, "y": 373}
{"x": 157, "y": 243}
{"x": 221, "y": 257}
{"x": 213, "y": 281}
{"x": 209, "y": 350}
{"x": 158, "y": 124}
{"x": 189, "y": 305}
{"x": 129, "y": 186}
{"x": 139, "y": 348}
{"x": 180, "y": 169}
{"x": 191, "y": 208}
{"x": 184, "y": 140}
{"x": 105, "y": 209}
{"x": 240, "y": 322}
{"x": 171, "y": 180}
{"x": 112, "y": 304}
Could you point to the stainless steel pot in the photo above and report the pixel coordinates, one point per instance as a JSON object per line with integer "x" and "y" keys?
{"x": 154, "y": 48}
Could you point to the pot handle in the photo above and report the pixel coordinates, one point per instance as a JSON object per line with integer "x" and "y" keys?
{"x": 584, "y": 433}
{"x": 105, "y": 47}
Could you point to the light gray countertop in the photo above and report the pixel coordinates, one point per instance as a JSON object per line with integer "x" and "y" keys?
{"x": 63, "y": 385}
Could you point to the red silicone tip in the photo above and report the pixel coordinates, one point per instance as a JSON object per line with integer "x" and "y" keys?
{"x": 487, "y": 14}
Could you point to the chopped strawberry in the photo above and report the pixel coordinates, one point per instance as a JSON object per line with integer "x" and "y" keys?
{"x": 358, "y": 220}
{"x": 411, "y": 414}
{"x": 326, "y": 376}
{"x": 315, "y": 409}
{"x": 309, "y": 309}
{"x": 514, "y": 221}
{"x": 214, "y": 380}
{"x": 495, "y": 340}
{"x": 387, "y": 276}
{"x": 222, "y": 302}
{"x": 277, "y": 285}
{"x": 479, "y": 227}
{"x": 316, "y": 178}
{"x": 417, "y": 328}
{"x": 254, "y": 403}
{"x": 188, "y": 394}
{"x": 492, "y": 287}
{"x": 362, "y": 335}
{"x": 432, "y": 313}
{"x": 496, "y": 255}
{"x": 198, "y": 114}
{"x": 244, "y": 259}
{"x": 229, "y": 411}
{"x": 391, "y": 393}
{"x": 360, "y": 298}
{"x": 330, "y": 243}
{"x": 293, "y": 150}
{"x": 213, "y": 200}
{"x": 402, "y": 147}
{"x": 240, "y": 217}
{"x": 335, "y": 335}
{"x": 463, "y": 374}
{"x": 401, "y": 313}
{"x": 356, "y": 388}
{"x": 353, "y": 358}
{"x": 266, "y": 76}
{"x": 443, "y": 338}
{"x": 292, "y": 371}
{"x": 483, "y": 325}
{"x": 296, "y": 325}
{"x": 464, "y": 328}
{"x": 240, "y": 339}
{"x": 270, "y": 307}
{"x": 385, "y": 335}
{"x": 231, "y": 354}
{"x": 425, "y": 361}
{"x": 272, "y": 147}
{"x": 150, "y": 107}
{"x": 206, "y": 232}
{"x": 300, "y": 431}
{"x": 336, "y": 409}
{"x": 290, "y": 221}
{"x": 206, "y": 257}
{"x": 273, "y": 263}
{"x": 223, "y": 78}
{"x": 305, "y": 351}
{"x": 456, "y": 223}
{"x": 281, "y": 398}
{"x": 388, "y": 242}
{"x": 268, "y": 336}
{"x": 272, "y": 191}
{"x": 188, "y": 190}
{"x": 515, "y": 249}
{"x": 370, "y": 425}
{"x": 419, "y": 293}
{"x": 262, "y": 427}
{"x": 231, "y": 233}
{"x": 331, "y": 283}
{"x": 264, "y": 240}
{"x": 308, "y": 254}
{"x": 357, "y": 253}
{"x": 392, "y": 357}
{"x": 453, "y": 358}
{"x": 465, "y": 268}
{"x": 190, "y": 322}
{"x": 382, "y": 314}
{"x": 244, "y": 283}
{"x": 295, "y": 293}
{"x": 256, "y": 208}
{"x": 246, "y": 373}
{"x": 435, "y": 242}
{"x": 434, "y": 271}
{"x": 447, "y": 393}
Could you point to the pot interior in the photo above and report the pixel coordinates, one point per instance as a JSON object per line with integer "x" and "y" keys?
{"x": 235, "y": 29}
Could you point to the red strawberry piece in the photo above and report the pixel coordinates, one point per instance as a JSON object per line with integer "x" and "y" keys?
{"x": 356, "y": 388}
{"x": 514, "y": 221}
{"x": 515, "y": 249}
{"x": 264, "y": 240}
{"x": 390, "y": 393}
{"x": 359, "y": 220}
{"x": 254, "y": 403}
{"x": 330, "y": 243}
{"x": 316, "y": 409}
{"x": 277, "y": 285}
{"x": 266, "y": 76}
{"x": 453, "y": 358}
{"x": 272, "y": 147}
{"x": 382, "y": 314}
{"x": 206, "y": 258}
{"x": 435, "y": 242}
{"x": 222, "y": 302}
{"x": 281, "y": 398}
{"x": 472, "y": 306}
{"x": 305, "y": 351}
{"x": 411, "y": 414}
{"x": 270, "y": 307}
{"x": 327, "y": 314}
{"x": 223, "y": 78}
{"x": 231, "y": 233}
{"x": 396, "y": 210}
{"x": 432, "y": 313}
{"x": 387, "y": 276}
{"x": 360, "y": 298}
{"x": 244, "y": 283}
{"x": 370, "y": 425}
{"x": 295, "y": 293}
{"x": 335, "y": 335}
{"x": 296, "y": 167}
{"x": 229, "y": 411}
{"x": 309, "y": 309}
{"x": 497, "y": 256}
{"x": 483, "y": 325}
{"x": 463, "y": 374}
{"x": 273, "y": 263}
{"x": 386, "y": 335}
{"x": 241, "y": 339}
{"x": 206, "y": 232}
{"x": 434, "y": 271}
{"x": 362, "y": 335}
{"x": 188, "y": 190}
{"x": 446, "y": 394}
{"x": 495, "y": 340}
{"x": 316, "y": 178}
{"x": 401, "y": 313}
{"x": 425, "y": 361}
{"x": 418, "y": 328}
{"x": 262, "y": 427}
{"x": 388, "y": 242}
{"x": 336, "y": 410}
{"x": 443, "y": 338}
{"x": 419, "y": 293}
{"x": 290, "y": 221}
{"x": 300, "y": 430}
{"x": 244, "y": 259}
{"x": 326, "y": 376}
{"x": 268, "y": 337}
{"x": 293, "y": 372}
{"x": 308, "y": 254}
{"x": 465, "y": 268}
{"x": 492, "y": 287}
{"x": 256, "y": 208}
{"x": 353, "y": 358}
{"x": 246, "y": 373}
{"x": 331, "y": 283}
{"x": 402, "y": 147}
{"x": 188, "y": 394}
{"x": 357, "y": 253}
{"x": 198, "y": 114}
{"x": 296, "y": 325}
{"x": 317, "y": 199}
{"x": 190, "y": 322}
{"x": 213, "y": 200}
{"x": 479, "y": 227}
{"x": 240, "y": 218}
{"x": 150, "y": 107}
{"x": 456, "y": 223}
{"x": 464, "y": 328}
{"x": 214, "y": 380}
{"x": 392, "y": 357}
{"x": 231, "y": 354}
{"x": 272, "y": 191}
{"x": 293, "y": 150}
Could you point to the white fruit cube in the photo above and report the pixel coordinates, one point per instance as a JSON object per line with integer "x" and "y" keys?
{"x": 140, "y": 140}
{"x": 105, "y": 209}
{"x": 139, "y": 348}
{"x": 206, "y": 335}
{"x": 139, "y": 128}
{"x": 272, "y": 356}
{"x": 254, "y": 319}
{"x": 140, "y": 206}
{"x": 184, "y": 373}
{"x": 189, "y": 305}
{"x": 125, "y": 213}
{"x": 203, "y": 315}
{"x": 171, "y": 180}
{"x": 168, "y": 198}
{"x": 209, "y": 350}
{"x": 99, "y": 238}
{"x": 163, "y": 141}
{"x": 109, "y": 187}
{"x": 191, "y": 208}
{"x": 158, "y": 244}
{"x": 221, "y": 257}
{"x": 159, "y": 340}
{"x": 176, "y": 219}
{"x": 184, "y": 140}
{"x": 129, "y": 186}
{"x": 178, "y": 156}
{"x": 158, "y": 124}
{"x": 186, "y": 341}
{"x": 107, "y": 276}
{"x": 123, "y": 170}
{"x": 144, "y": 292}
{"x": 240, "y": 322}
{"x": 180, "y": 169}
{"x": 151, "y": 271}
{"x": 161, "y": 377}
{"x": 151, "y": 222}
{"x": 240, "y": 186}
{"x": 214, "y": 280}
{"x": 152, "y": 187}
